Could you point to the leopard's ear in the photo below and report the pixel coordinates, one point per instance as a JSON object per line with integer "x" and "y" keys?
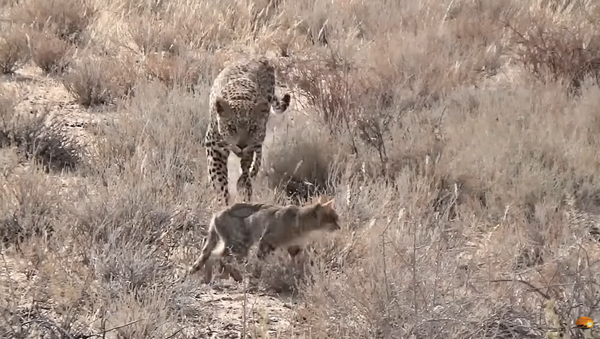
{"x": 222, "y": 108}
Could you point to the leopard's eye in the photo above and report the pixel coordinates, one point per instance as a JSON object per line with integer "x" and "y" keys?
{"x": 233, "y": 129}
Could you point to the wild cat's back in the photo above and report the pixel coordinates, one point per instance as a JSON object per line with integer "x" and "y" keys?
{"x": 275, "y": 219}
{"x": 244, "y": 209}
{"x": 274, "y": 213}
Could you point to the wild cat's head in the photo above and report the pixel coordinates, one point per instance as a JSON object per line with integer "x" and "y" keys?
{"x": 326, "y": 215}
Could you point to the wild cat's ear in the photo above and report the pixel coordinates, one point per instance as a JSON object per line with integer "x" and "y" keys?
{"x": 222, "y": 107}
{"x": 329, "y": 204}
{"x": 319, "y": 200}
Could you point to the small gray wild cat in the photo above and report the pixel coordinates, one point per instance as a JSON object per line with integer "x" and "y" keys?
{"x": 235, "y": 229}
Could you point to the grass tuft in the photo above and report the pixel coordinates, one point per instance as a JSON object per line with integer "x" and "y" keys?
{"x": 99, "y": 81}
{"x": 14, "y": 51}
{"x": 50, "y": 53}
{"x": 68, "y": 19}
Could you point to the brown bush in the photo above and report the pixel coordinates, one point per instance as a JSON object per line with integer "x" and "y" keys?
{"x": 6, "y": 3}
{"x": 36, "y": 140}
{"x": 177, "y": 126}
{"x": 303, "y": 167}
{"x": 26, "y": 211}
{"x": 7, "y": 113}
{"x": 562, "y": 51}
{"x": 98, "y": 81}
{"x": 175, "y": 70}
{"x": 163, "y": 150}
{"x": 50, "y": 53}
{"x": 144, "y": 7}
{"x": 13, "y": 50}
{"x": 153, "y": 35}
{"x": 68, "y": 19}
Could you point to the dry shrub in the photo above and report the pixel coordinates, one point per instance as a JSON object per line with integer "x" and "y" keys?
{"x": 279, "y": 274}
{"x": 151, "y": 317}
{"x": 174, "y": 28}
{"x": 534, "y": 168}
{"x": 361, "y": 93}
{"x": 13, "y": 50}
{"x": 114, "y": 249}
{"x": 324, "y": 83}
{"x": 333, "y": 87}
{"x": 27, "y": 209}
{"x": 300, "y": 161}
{"x": 516, "y": 155}
{"x": 175, "y": 70}
{"x": 361, "y": 109}
{"x": 151, "y": 7}
{"x": 221, "y": 25}
{"x": 7, "y": 3}
{"x": 28, "y": 322}
{"x": 99, "y": 80}
{"x": 125, "y": 229}
{"x": 7, "y": 113}
{"x": 402, "y": 69}
{"x": 412, "y": 265}
{"x": 167, "y": 148}
{"x": 49, "y": 145}
{"x": 50, "y": 53}
{"x": 68, "y": 19}
{"x": 36, "y": 140}
{"x": 561, "y": 49}
{"x": 109, "y": 226}
{"x": 153, "y": 35}
{"x": 473, "y": 40}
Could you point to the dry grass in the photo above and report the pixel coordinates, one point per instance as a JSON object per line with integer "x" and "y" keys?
{"x": 36, "y": 138}
{"x": 68, "y": 19}
{"x": 13, "y": 51}
{"x": 450, "y": 133}
{"x": 99, "y": 80}
{"x": 175, "y": 70}
{"x": 50, "y": 53}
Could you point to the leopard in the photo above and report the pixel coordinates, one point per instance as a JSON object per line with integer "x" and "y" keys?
{"x": 241, "y": 99}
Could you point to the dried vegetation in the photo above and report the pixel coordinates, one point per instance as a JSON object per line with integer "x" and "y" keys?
{"x": 450, "y": 133}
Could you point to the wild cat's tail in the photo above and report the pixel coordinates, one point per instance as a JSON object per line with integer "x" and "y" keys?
{"x": 209, "y": 248}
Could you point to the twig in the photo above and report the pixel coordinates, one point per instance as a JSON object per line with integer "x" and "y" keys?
{"x": 104, "y": 332}
{"x": 47, "y": 324}
{"x": 414, "y": 270}
{"x": 124, "y": 325}
{"x": 244, "y": 306}
{"x": 385, "y": 277}
{"x": 172, "y": 335}
{"x": 546, "y": 296}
